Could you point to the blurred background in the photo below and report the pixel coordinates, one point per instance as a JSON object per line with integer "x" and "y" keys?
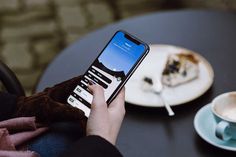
{"x": 33, "y": 32}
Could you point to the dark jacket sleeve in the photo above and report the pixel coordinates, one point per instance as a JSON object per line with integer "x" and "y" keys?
{"x": 92, "y": 146}
{"x": 7, "y": 105}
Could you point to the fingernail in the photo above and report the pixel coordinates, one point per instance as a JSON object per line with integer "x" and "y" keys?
{"x": 91, "y": 82}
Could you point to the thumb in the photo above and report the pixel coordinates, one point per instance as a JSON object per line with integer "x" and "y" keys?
{"x": 98, "y": 102}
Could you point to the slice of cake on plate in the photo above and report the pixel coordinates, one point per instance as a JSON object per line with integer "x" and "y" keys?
{"x": 180, "y": 68}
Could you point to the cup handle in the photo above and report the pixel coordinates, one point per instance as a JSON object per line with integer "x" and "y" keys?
{"x": 221, "y": 131}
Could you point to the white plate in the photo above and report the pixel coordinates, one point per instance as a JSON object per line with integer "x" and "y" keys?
{"x": 204, "y": 124}
{"x": 152, "y": 66}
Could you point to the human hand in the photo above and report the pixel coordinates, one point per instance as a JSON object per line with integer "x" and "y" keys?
{"x": 105, "y": 121}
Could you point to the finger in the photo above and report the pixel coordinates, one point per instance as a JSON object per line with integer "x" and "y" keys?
{"x": 119, "y": 101}
{"x": 98, "y": 96}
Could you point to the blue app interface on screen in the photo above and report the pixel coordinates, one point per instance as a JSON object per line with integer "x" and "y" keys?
{"x": 108, "y": 70}
{"x": 121, "y": 54}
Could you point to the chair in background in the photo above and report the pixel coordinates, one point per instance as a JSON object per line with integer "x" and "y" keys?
{"x": 10, "y": 81}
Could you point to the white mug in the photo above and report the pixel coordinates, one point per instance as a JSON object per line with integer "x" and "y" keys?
{"x": 223, "y": 108}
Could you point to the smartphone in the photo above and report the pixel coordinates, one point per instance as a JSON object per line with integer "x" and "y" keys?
{"x": 111, "y": 69}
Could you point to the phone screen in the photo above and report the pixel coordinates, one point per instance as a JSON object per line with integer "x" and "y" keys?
{"x": 110, "y": 69}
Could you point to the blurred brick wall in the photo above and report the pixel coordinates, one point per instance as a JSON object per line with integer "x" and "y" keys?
{"x": 32, "y": 32}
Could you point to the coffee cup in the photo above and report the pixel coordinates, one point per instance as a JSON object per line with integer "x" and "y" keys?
{"x": 223, "y": 108}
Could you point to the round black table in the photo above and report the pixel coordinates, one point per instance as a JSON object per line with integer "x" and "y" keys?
{"x": 149, "y": 131}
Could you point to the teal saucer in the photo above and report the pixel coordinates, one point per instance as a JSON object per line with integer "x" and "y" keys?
{"x": 204, "y": 124}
